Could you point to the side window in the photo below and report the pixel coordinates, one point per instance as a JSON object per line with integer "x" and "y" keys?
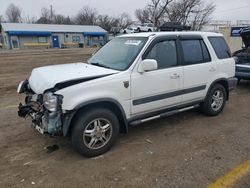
{"x": 76, "y": 39}
{"x": 164, "y": 53}
{"x": 42, "y": 39}
{"x": 195, "y": 51}
{"x": 192, "y": 52}
{"x": 220, "y": 47}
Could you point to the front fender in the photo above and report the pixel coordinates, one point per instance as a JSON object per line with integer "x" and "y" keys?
{"x": 70, "y": 115}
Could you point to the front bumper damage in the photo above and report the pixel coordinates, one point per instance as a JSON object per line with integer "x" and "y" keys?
{"x": 44, "y": 121}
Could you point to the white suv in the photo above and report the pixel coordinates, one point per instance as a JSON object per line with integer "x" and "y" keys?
{"x": 146, "y": 27}
{"x": 133, "y": 79}
{"x": 130, "y": 29}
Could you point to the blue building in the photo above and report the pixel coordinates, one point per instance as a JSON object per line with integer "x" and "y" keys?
{"x": 21, "y": 36}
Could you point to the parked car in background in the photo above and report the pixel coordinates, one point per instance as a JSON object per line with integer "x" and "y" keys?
{"x": 173, "y": 26}
{"x": 116, "y": 30}
{"x": 130, "y": 29}
{"x": 243, "y": 57}
{"x": 146, "y": 27}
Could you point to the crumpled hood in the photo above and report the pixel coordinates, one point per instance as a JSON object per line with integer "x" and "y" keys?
{"x": 44, "y": 78}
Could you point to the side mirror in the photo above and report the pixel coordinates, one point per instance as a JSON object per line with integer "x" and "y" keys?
{"x": 147, "y": 65}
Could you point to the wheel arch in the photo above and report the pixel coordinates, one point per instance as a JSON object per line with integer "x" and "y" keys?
{"x": 111, "y": 104}
{"x": 223, "y": 82}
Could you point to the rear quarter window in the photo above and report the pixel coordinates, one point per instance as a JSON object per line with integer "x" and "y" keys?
{"x": 220, "y": 47}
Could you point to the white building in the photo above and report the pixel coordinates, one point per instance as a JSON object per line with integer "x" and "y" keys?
{"x": 19, "y": 35}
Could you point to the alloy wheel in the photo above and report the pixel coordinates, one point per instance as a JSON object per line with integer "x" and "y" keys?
{"x": 97, "y": 133}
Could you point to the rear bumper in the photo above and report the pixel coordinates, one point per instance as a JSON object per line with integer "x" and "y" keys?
{"x": 232, "y": 82}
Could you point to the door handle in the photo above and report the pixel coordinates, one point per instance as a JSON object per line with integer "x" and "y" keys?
{"x": 212, "y": 69}
{"x": 175, "y": 76}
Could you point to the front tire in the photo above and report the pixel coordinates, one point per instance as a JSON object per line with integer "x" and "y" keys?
{"x": 95, "y": 131}
{"x": 215, "y": 100}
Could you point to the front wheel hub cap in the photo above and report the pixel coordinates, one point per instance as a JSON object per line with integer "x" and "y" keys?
{"x": 97, "y": 133}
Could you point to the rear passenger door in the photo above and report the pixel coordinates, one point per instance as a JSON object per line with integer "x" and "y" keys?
{"x": 198, "y": 69}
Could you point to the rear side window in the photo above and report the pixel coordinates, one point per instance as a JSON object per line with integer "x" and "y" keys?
{"x": 194, "y": 51}
{"x": 220, "y": 47}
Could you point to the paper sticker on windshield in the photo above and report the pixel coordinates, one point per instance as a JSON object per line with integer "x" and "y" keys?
{"x": 133, "y": 42}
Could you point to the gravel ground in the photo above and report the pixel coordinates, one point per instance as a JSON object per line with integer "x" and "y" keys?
{"x": 185, "y": 150}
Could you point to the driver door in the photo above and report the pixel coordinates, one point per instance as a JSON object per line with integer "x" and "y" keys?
{"x": 161, "y": 88}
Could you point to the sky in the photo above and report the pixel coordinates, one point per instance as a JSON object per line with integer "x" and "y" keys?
{"x": 231, "y": 10}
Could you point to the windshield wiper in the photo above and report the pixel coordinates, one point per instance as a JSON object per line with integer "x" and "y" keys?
{"x": 100, "y": 65}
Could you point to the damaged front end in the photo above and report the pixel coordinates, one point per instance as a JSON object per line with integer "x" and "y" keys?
{"x": 44, "y": 109}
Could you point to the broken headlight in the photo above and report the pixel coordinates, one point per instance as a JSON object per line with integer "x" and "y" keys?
{"x": 50, "y": 101}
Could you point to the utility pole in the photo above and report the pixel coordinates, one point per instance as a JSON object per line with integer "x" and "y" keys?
{"x": 51, "y": 13}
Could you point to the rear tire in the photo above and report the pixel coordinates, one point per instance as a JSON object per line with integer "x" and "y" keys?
{"x": 95, "y": 131}
{"x": 215, "y": 100}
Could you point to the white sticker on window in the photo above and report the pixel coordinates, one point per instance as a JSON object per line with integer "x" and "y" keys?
{"x": 133, "y": 42}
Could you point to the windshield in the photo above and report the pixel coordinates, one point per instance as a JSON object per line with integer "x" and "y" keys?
{"x": 119, "y": 53}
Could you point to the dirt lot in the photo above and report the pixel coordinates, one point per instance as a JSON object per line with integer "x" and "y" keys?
{"x": 185, "y": 150}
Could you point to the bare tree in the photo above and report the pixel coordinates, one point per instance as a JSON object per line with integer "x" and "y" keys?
{"x": 1, "y": 18}
{"x": 114, "y": 23}
{"x": 46, "y": 16}
{"x": 157, "y": 10}
{"x": 86, "y": 16}
{"x": 180, "y": 10}
{"x": 195, "y": 13}
{"x": 29, "y": 19}
{"x": 124, "y": 20}
{"x": 61, "y": 19}
{"x": 107, "y": 22}
{"x": 13, "y": 14}
{"x": 153, "y": 12}
{"x": 190, "y": 12}
{"x": 46, "y": 13}
{"x": 202, "y": 16}
{"x": 142, "y": 15}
